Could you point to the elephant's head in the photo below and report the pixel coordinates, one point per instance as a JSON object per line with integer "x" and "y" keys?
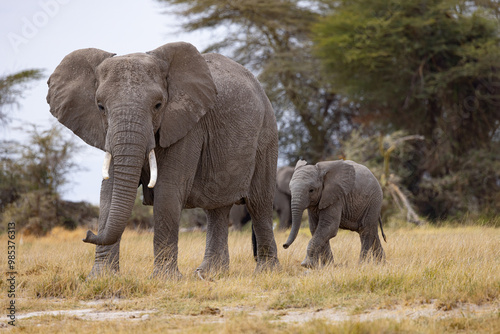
{"x": 320, "y": 186}
{"x": 123, "y": 104}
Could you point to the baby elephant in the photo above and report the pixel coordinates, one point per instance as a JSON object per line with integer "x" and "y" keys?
{"x": 336, "y": 194}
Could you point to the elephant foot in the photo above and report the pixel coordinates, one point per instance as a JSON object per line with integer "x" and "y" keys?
{"x": 326, "y": 261}
{"x": 379, "y": 256}
{"x": 375, "y": 256}
{"x": 212, "y": 266}
{"x": 172, "y": 274}
{"x": 268, "y": 264}
{"x": 309, "y": 263}
{"x": 103, "y": 269}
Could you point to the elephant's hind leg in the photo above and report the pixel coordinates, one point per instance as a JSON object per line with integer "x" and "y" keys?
{"x": 262, "y": 220}
{"x": 216, "y": 257}
{"x": 260, "y": 206}
{"x": 370, "y": 241}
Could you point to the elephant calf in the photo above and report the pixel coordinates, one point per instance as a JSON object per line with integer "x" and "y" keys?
{"x": 337, "y": 194}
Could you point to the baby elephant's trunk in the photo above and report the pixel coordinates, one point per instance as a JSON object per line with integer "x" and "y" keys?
{"x": 297, "y": 209}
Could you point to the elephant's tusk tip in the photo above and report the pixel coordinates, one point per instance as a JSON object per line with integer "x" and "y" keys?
{"x": 105, "y": 177}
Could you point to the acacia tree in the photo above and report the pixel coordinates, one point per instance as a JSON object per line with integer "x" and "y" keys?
{"x": 47, "y": 159}
{"x": 430, "y": 68}
{"x": 427, "y": 67}
{"x": 12, "y": 87}
{"x": 273, "y": 39}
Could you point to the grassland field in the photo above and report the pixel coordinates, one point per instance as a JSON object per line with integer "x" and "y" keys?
{"x": 435, "y": 280}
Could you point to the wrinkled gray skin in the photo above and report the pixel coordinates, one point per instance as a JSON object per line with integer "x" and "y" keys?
{"x": 336, "y": 194}
{"x": 213, "y": 131}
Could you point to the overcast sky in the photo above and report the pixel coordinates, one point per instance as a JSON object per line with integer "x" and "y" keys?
{"x": 39, "y": 33}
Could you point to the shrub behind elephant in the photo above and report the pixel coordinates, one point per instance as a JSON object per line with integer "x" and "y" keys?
{"x": 336, "y": 194}
{"x": 197, "y": 128}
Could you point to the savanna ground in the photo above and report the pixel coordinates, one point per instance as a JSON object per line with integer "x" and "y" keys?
{"x": 436, "y": 279}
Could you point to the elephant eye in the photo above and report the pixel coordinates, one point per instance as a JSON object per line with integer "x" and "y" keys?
{"x": 311, "y": 190}
{"x": 158, "y": 106}
{"x": 100, "y": 106}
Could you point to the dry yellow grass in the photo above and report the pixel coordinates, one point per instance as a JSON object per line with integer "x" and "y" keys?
{"x": 454, "y": 273}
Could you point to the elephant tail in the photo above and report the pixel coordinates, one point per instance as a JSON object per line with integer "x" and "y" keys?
{"x": 381, "y": 229}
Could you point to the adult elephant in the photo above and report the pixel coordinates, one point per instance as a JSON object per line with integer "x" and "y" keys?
{"x": 198, "y": 130}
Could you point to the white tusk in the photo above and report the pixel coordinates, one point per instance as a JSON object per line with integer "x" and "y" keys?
{"x": 105, "y": 166}
{"x": 153, "y": 168}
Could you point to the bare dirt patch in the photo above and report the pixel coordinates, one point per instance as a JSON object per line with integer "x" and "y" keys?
{"x": 92, "y": 314}
{"x": 334, "y": 315}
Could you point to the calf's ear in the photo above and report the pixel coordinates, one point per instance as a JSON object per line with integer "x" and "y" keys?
{"x": 338, "y": 180}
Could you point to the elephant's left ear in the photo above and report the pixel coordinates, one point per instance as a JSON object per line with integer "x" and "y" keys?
{"x": 191, "y": 90}
{"x": 338, "y": 181}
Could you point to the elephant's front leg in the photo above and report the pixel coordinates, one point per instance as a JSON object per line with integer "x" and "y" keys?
{"x": 216, "y": 252}
{"x": 324, "y": 254}
{"x": 318, "y": 249}
{"x": 167, "y": 213}
{"x": 107, "y": 258}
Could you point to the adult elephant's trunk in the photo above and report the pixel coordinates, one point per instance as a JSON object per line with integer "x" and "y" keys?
{"x": 299, "y": 204}
{"x": 128, "y": 154}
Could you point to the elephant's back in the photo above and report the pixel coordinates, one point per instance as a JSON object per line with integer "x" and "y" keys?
{"x": 237, "y": 87}
{"x": 366, "y": 184}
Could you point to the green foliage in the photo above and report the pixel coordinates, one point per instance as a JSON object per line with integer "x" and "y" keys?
{"x": 11, "y": 178}
{"x": 47, "y": 159}
{"x": 32, "y": 175}
{"x": 473, "y": 190}
{"x": 37, "y": 212}
{"x": 430, "y": 68}
{"x": 12, "y": 87}
{"x": 371, "y": 151}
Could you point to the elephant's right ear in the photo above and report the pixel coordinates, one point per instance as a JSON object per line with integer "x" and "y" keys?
{"x": 71, "y": 95}
{"x": 338, "y": 181}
